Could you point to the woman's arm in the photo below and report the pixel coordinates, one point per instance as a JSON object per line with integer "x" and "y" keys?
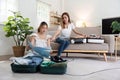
{"x": 32, "y": 40}
{"x": 55, "y": 35}
{"x": 48, "y": 42}
{"x": 76, "y": 32}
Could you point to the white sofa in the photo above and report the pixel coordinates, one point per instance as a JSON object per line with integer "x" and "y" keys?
{"x": 106, "y": 47}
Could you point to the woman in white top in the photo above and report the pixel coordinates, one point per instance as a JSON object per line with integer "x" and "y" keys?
{"x": 39, "y": 44}
{"x": 64, "y": 32}
{"x": 41, "y": 41}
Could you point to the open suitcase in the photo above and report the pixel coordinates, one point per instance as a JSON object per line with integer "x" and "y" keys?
{"x": 54, "y": 68}
{"x": 24, "y": 68}
{"x": 30, "y": 68}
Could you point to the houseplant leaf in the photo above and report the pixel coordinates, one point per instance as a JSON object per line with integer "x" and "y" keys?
{"x": 115, "y": 26}
{"x": 17, "y": 27}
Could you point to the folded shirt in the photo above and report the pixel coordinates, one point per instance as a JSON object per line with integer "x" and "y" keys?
{"x": 95, "y": 40}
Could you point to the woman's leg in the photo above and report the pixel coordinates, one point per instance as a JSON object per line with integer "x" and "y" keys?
{"x": 67, "y": 42}
{"x": 63, "y": 45}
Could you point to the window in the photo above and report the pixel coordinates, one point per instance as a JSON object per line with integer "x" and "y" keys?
{"x": 6, "y": 6}
{"x": 43, "y": 12}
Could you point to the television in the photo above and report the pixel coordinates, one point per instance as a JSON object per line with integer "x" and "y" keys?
{"x": 106, "y": 25}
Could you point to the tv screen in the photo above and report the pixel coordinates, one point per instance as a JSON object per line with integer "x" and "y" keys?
{"x": 106, "y": 25}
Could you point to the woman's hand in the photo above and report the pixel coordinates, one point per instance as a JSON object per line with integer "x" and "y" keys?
{"x": 81, "y": 36}
{"x": 55, "y": 35}
{"x": 85, "y": 36}
{"x": 53, "y": 39}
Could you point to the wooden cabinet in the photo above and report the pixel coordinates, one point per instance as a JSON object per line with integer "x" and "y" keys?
{"x": 55, "y": 18}
{"x": 117, "y": 46}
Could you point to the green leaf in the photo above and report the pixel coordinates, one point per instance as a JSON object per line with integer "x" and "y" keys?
{"x": 18, "y": 27}
{"x": 115, "y": 26}
{"x": 10, "y": 17}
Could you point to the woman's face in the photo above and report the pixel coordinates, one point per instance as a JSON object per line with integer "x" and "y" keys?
{"x": 43, "y": 29}
{"x": 65, "y": 19}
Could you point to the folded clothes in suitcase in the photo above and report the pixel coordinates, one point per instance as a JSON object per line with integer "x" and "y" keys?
{"x": 32, "y": 67}
{"x": 49, "y": 67}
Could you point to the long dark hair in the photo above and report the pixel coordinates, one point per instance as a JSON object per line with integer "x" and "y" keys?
{"x": 42, "y": 24}
{"x": 63, "y": 24}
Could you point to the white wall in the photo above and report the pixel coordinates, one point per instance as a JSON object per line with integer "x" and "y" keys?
{"x": 27, "y": 9}
{"x": 92, "y": 11}
{"x": 5, "y": 43}
{"x": 55, "y": 5}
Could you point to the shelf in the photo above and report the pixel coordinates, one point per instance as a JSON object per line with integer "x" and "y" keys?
{"x": 56, "y": 23}
{"x": 55, "y": 18}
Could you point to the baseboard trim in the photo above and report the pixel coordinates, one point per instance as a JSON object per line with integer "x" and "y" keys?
{"x": 5, "y": 57}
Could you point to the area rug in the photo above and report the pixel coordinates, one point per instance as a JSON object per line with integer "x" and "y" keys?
{"x": 77, "y": 66}
{"x": 77, "y": 69}
{"x": 84, "y": 67}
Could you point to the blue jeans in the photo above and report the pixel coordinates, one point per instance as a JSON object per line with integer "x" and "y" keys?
{"x": 35, "y": 60}
{"x": 64, "y": 43}
{"x": 44, "y": 52}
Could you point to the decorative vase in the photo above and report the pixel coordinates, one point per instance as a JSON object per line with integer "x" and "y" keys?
{"x": 18, "y": 51}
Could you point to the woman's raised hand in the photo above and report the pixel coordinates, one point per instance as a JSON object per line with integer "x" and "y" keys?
{"x": 52, "y": 39}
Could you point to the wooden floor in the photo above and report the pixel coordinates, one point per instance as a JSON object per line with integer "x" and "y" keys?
{"x": 5, "y": 57}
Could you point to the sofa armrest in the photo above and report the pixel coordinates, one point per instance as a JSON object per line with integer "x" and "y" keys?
{"x": 110, "y": 39}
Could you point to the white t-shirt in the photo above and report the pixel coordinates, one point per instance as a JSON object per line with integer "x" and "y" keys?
{"x": 66, "y": 32}
{"x": 40, "y": 42}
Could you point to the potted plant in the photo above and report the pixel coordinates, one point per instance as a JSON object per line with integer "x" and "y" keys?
{"x": 115, "y": 26}
{"x": 17, "y": 27}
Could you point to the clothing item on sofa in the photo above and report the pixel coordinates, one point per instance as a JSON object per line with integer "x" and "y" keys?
{"x": 78, "y": 40}
{"x": 95, "y": 40}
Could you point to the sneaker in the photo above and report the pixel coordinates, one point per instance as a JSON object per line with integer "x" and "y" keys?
{"x": 59, "y": 59}
{"x": 54, "y": 58}
{"x": 62, "y": 60}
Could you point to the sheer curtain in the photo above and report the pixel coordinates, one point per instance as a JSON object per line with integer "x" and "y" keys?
{"x": 6, "y": 6}
{"x": 43, "y": 12}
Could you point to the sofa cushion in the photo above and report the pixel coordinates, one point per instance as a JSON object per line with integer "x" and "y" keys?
{"x": 88, "y": 31}
{"x": 84, "y": 46}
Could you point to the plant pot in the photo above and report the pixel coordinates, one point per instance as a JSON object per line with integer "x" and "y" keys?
{"x": 18, "y": 51}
